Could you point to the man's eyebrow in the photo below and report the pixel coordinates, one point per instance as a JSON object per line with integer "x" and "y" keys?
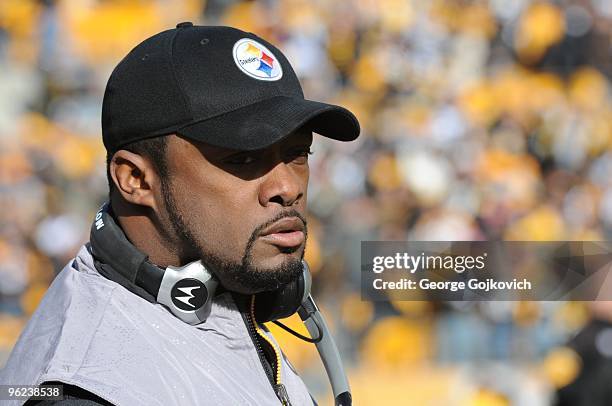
{"x": 299, "y": 138}
{"x": 213, "y": 150}
{"x": 251, "y": 152}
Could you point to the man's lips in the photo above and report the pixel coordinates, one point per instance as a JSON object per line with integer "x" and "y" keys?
{"x": 286, "y": 232}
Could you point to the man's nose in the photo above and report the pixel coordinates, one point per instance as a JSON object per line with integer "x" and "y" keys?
{"x": 281, "y": 186}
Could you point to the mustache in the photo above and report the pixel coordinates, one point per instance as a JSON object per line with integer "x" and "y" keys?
{"x": 281, "y": 215}
{"x": 258, "y": 230}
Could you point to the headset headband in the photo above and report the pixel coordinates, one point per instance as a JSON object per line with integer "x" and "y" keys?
{"x": 186, "y": 291}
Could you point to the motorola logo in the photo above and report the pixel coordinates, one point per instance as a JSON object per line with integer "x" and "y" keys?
{"x": 189, "y": 294}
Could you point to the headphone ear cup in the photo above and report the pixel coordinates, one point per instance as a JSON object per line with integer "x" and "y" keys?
{"x": 281, "y": 303}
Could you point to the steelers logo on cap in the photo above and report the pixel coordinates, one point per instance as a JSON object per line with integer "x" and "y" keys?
{"x": 256, "y": 60}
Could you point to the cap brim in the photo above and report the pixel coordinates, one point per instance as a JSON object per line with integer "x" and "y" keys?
{"x": 264, "y": 123}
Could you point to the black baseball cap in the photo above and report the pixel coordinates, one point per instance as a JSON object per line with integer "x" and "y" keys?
{"x": 219, "y": 85}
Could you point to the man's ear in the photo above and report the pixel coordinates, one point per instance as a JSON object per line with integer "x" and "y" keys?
{"x": 134, "y": 178}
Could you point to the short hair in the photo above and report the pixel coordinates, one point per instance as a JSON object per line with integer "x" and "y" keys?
{"x": 153, "y": 149}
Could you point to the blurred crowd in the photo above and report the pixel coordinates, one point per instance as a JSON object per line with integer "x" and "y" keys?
{"x": 481, "y": 120}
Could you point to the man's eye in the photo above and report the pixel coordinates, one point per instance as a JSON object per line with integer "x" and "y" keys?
{"x": 302, "y": 153}
{"x": 306, "y": 152}
{"x": 241, "y": 160}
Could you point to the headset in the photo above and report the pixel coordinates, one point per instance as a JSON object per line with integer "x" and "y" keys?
{"x": 187, "y": 291}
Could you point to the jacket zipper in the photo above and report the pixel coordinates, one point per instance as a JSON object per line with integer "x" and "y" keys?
{"x": 274, "y": 373}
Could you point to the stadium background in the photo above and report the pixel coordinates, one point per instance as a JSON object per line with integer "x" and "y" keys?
{"x": 481, "y": 120}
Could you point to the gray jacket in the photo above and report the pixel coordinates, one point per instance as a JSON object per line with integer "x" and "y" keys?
{"x": 90, "y": 332}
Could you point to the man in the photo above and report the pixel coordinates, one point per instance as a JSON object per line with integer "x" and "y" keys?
{"x": 208, "y": 136}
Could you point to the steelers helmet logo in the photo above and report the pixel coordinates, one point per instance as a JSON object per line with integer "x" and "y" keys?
{"x": 256, "y": 61}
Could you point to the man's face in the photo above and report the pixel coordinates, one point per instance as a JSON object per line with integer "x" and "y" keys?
{"x": 242, "y": 213}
